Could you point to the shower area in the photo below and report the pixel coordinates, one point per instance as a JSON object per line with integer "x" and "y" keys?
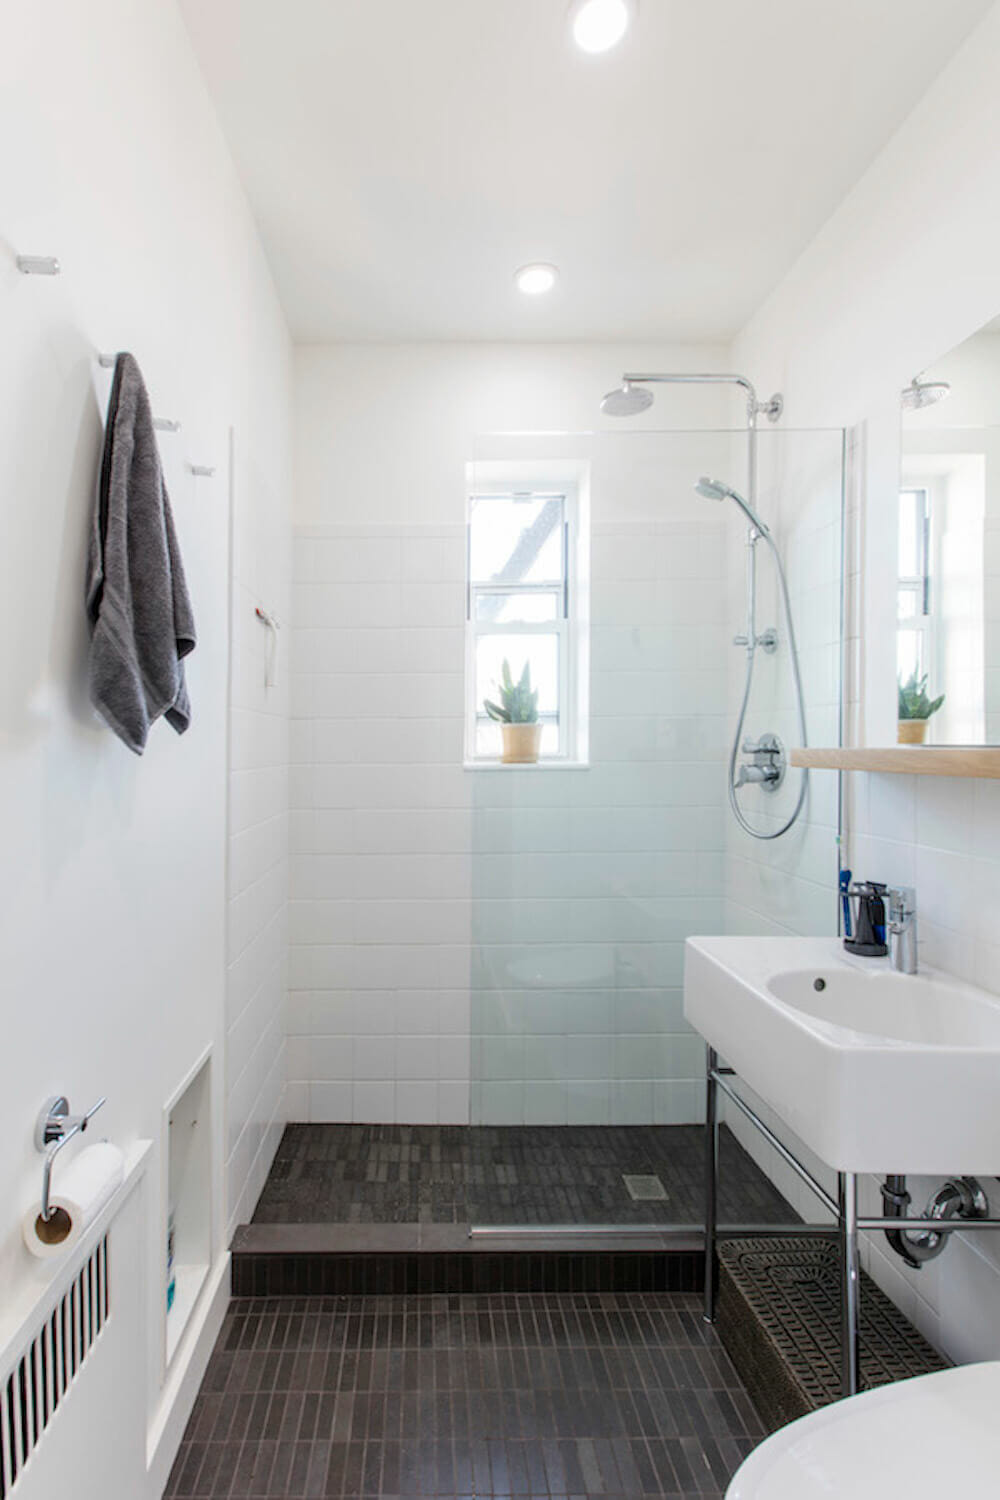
{"x": 495, "y": 1038}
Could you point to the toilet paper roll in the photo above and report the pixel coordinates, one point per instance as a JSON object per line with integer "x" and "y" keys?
{"x": 81, "y": 1191}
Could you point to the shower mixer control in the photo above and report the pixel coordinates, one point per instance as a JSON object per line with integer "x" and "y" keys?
{"x": 767, "y": 764}
{"x": 767, "y": 640}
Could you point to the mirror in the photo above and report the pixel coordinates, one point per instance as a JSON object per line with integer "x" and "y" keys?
{"x": 948, "y": 571}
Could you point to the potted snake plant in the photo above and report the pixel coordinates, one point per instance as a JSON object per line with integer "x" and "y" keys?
{"x": 517, "y": 715}
{"x": 915, "y": 709}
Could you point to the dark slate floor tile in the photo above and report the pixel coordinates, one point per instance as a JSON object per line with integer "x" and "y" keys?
{"x": 542, "y": 1395}
{"x": 408, "y": 1175}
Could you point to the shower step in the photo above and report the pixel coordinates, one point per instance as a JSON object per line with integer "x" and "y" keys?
{"x": 301, "y": 1260}
{"x": 778, "y": 1315}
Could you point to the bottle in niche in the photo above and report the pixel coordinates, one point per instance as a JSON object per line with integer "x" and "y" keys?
{"x": 171, "y": 1271}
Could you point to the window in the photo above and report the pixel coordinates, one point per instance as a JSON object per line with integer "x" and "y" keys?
{"x": 523, "y": 609}
{"x": 914, "y": 584}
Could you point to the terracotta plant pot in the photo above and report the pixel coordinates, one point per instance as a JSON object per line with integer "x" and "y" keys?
{"x": 521, "y": 743}
{"x": 911, "y": 731}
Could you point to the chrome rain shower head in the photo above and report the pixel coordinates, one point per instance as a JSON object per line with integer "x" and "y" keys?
{"x": 714, "y": 489}
{"x": 922, "y": 393}
{"x": 627, "y": 400}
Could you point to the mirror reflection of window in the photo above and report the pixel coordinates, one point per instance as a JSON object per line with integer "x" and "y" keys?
{"x": 948, "y": 561}
{"x": 941, "y": 606}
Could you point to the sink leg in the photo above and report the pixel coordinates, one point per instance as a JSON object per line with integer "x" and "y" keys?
{"x": 711, "y": 1179}
{"x": 847, "y": 1186}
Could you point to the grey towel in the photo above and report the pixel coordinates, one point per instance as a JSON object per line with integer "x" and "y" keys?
{"x": 137, "y": 600}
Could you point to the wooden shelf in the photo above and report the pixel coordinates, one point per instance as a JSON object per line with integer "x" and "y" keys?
{"x": 907, "y": 760}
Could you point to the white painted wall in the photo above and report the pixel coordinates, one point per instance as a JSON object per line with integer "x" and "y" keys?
{"x": 114, "y": 902}
{"x": 906, "y": 269}
{"x": 383, "y": 432}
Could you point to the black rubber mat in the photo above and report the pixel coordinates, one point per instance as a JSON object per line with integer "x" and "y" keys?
{"x": 779, "y": 1319}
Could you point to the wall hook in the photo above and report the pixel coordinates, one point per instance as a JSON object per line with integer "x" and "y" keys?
{"x": 162, "y": 424}
{"x": 38, "y": 265}
{"x": 271, "y": 656}
{"x": 202, "y": 471}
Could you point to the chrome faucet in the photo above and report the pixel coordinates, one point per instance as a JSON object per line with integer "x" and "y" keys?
{"x": 902, "y": 928}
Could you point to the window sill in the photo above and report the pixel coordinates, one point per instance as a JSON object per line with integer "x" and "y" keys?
{"x": 538, "y": 765}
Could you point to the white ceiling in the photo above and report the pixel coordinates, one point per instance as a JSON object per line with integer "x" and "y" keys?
{"x": 404, "y": 157}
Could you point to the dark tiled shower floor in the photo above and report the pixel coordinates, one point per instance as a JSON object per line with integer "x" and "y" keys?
{"x": 534, "y": 1396}
{"x": 464, "y": 1174}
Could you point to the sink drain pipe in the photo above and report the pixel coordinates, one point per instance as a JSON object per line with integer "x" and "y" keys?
{"x": 959, "y": 1196}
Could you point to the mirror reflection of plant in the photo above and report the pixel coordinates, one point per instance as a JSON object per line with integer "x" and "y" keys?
{"x": 913, "y": 700}
{"x": 518, "y": 704}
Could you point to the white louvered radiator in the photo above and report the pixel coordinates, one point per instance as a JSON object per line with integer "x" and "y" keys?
{"x": 75, "y": 1361}
{"x": 50, "y": 1364}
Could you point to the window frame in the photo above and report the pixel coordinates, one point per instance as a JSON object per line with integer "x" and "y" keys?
{"x": 921, "y": 623}
{"x": 565, "y": 628}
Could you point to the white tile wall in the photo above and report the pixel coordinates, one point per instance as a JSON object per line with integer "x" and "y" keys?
{"x": 505, "y": 946}
{"x": 790, "y": 884}
{"x": 378, "y": 1009}
{"x": 842, "y": 348}
{"x": 258, "y": 872}
{"x": 943, "y": 837}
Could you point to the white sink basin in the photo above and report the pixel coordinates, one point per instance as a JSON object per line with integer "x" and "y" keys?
{"x": 874, "y": 1071}
{"x": 922, "y": 1009}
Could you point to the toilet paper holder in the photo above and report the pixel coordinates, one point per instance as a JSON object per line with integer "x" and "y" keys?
{"x": 53, "y": 1128}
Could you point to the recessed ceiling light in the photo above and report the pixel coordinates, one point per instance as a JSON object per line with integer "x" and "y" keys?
{"x": 599, "y": 25}
{"x": 536, "y": 279}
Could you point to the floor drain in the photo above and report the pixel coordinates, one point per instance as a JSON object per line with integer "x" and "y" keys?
{"x": 644, "y": 1189}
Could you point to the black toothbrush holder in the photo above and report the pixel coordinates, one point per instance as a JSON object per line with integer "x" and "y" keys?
{"x": 868, "y": 899}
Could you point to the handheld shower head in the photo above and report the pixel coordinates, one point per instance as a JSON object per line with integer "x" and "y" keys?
{"x": 714, "y": 489}
{"x": 627, "y": 400}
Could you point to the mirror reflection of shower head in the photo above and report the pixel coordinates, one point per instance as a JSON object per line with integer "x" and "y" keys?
{"x": 714, "y": 489}
{"x": 922, "y": 393}
{"x": 627, "y": 400}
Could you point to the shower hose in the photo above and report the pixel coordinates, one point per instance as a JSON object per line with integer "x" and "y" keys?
{"x": 755, "y": 537}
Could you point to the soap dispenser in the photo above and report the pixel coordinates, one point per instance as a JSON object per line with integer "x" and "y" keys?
{"x": 869, "y": 926}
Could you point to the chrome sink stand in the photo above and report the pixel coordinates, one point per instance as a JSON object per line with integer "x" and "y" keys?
{"x": 844, "y": 1209}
